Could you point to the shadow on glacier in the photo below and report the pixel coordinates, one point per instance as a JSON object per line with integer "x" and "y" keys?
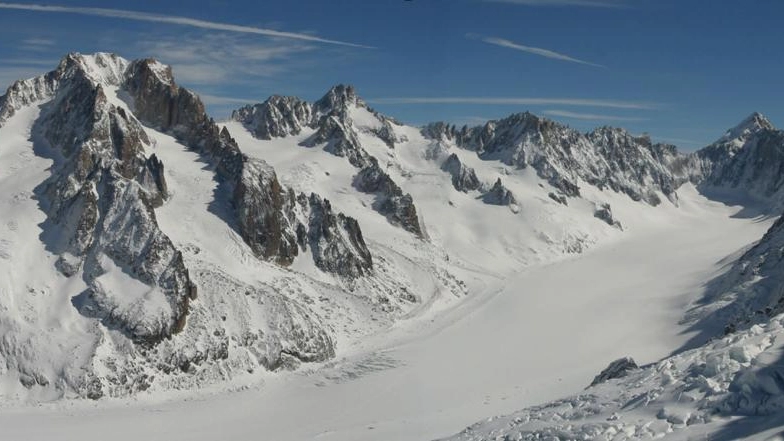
{"x": 749, "y": 426}
{"x": 707, "y": 324}
{"x": 751, "y": 207}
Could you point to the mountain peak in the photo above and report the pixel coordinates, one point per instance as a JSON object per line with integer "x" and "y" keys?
{"x": 751, "y": 125}
{"x": 339, "y": 97}
{"x": 100, "y": 67}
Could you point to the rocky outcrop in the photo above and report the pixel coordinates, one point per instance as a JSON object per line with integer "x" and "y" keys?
{"x": 617, "y": 369}
{"x": 499, "y": 195}
{"x": 561, "y": 199}
{"x": 463, "y": 177}
{"x": 603, "y": 212}
{"x": 390, "y": 201}
{"x": 335, "y": 240}
{"x": 101, "y": 198}
{"x": 261, "y": 206}
{"x": 338, "y": 138}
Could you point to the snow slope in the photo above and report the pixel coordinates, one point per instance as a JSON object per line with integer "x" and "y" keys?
{"x": 36, "y": 310}
{"x": 540, "y": 335}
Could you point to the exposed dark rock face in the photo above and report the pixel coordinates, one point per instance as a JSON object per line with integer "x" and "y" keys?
{"x": 261, "y": 205}
{"x": 100, "y": 202}
{"x": 635, "y": 165}
{"x": 162, "y": 104}
{"x": 606, "y": 158}
{"x": 334, "y": 239}
{"x": 499, "y": 195}
{"x": 748, "y": 158}
{"x": 604, "y": 213}
{"x": 25, "y": 92}
{"x": 390, "y": 200}
{"x": 463, "y": 177}
{"x": 617, "y": 369}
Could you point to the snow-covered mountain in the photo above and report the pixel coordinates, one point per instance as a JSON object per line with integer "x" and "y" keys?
{"x": 146, "y": 247}
{"x": 125, "y": 203}
{"x": 749, "y": 157}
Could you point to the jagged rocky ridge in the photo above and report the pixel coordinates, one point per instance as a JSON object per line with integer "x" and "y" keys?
{"x": 101, "y": 202}
{"x": 106, "y": 187}
{"x": 101, "y": 198}
{"x": 747, "y": 158}
{"x": 606, "y": 158}
{"x": 264, "y": 209}
{"x": 334, "y": 130}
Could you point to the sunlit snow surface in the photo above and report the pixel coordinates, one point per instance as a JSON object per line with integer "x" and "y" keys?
{"x": 539, "y": 321}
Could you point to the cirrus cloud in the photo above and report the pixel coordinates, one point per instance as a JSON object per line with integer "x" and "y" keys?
{"x": 176, "y": 20}
{"x": 522, "y": 101}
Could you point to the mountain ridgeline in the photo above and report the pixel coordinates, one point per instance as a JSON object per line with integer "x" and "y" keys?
{"x": 747, "y": 158}
{"x": 291, "y": 272}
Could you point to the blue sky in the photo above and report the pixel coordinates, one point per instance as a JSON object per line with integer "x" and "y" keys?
{"x": 682, "y": 70}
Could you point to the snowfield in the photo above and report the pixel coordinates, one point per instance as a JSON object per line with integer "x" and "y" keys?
{"x": 538, "y": 336}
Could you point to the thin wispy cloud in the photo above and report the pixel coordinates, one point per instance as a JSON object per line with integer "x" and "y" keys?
{"x": 590, "y": 116}
{"x": 579, "y": 102}
{"x": 680, "y": 141}
{"x": 221, "y": 58}
{"x": 531, "y": 50}
{"x": 217, "y": 100}
{"x": 37, "y": 44}
{"x": 39, "y": 41}
{"x": 41, "y": 62}
{"x": 583, "y": 3}
{"x": 176, "y": 20}
{"x": 470, "y": 120}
